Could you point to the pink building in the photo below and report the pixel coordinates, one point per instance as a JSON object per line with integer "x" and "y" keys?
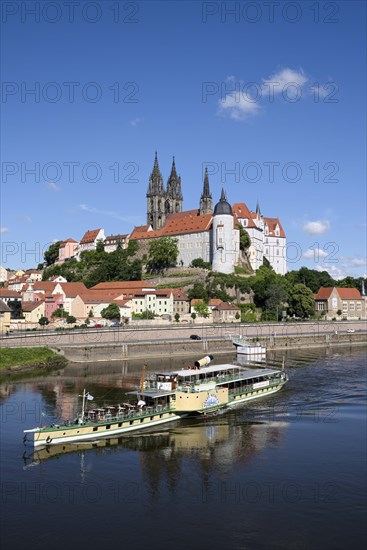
{"x": 67, "y": 250}
{"x": 53, "y": 302}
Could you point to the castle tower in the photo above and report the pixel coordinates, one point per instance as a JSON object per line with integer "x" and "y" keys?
{"x": 225, "y": 238}
{"x": 173, "y": 195}
{"x": 206, "y": 201}
{"x": 155, "y": 197}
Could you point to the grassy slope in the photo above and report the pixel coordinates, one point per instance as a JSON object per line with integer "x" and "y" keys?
{"x": 10, "y": 357}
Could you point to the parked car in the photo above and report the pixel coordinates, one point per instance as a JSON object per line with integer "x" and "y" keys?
{"x": 350, "y": 330}
{"x": 195, "y": 337}
{"x": 115, "y": 325}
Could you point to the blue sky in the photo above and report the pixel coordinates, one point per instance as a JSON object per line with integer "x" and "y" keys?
{"x": 273, "y": 103}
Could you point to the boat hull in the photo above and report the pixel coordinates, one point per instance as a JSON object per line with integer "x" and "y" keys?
{"x": 62, "y": 434}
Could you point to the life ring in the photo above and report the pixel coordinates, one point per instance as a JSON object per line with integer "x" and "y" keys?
{"x": 48, "y": 440}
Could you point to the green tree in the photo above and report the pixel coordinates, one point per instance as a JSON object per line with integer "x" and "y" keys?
{"x": 163, "y": 253}
{"x": 177, "y": 317}
{"x": 245, "y": 241}
{"x": 147, "y": 314}
{"x": 202, "y": 309}
{"x": 70, "y": 319}
{"x": 198, "y": 291}
{"x": 111, "y": 312}
{"x": 43, "y": 321}
{"x": 99, "y": 246}
{"x": 59, "y": 313}
{"x": 199, "y": 262}
{"x": 301, "y": 301}
{"x": 52, "y": 253}
{"x": 193, "y": 315}
{"x": 276, "y": 296}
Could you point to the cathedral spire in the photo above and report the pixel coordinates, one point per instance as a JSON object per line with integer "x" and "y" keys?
{"x": 155, "y": 196}
{"x": 206, "y": 202}
{"x": 155, "y": 186}
{"x": 174, "y": 197}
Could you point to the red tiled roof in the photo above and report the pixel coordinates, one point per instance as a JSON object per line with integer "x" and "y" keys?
{"x": 178, "y": 294}
{"x": 226, "y": 306}
{"x": 241, "y": 211}
{"x": 5, "y": 293}
{"x": 44, "y": 285}
{"x": 349, "y": 293}
{"x": 324, "y": 293}
{"x": 90, "y": 236}
{"x": 93, "y": 297}
{"x": 121, "y": 285}
{"x": 177, "y": 223}
{"x": 214, "y": 302}
{"x": 71, "y": 290}
{"x": 272, "y": 223}
{"x": 27, "y": 307}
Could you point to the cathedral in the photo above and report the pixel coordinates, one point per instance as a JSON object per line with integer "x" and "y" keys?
{"x": 161, "y": 203}
{"x": 210, "y": 233}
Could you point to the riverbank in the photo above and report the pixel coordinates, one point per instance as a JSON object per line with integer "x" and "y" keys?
{"x": 148, "y": 349}
{"x": 23, "y": 360}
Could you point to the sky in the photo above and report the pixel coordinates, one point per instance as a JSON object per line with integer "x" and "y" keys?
{"x": 270, "y": 96}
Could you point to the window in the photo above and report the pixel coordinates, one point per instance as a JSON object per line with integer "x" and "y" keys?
{"x": 345, "y": 306}
{"x": 359, "y": 306}
{"x": 352, "y": 306}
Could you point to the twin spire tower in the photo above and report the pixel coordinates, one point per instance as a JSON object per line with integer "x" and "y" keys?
{"x": 163, "y": 202}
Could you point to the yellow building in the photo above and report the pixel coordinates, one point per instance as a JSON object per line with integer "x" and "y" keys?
{"x": 4, "y": 316}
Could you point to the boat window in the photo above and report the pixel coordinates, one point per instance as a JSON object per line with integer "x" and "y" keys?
{"x": 141, "y": 420}
{"x": 151, "y": 418}
{"x": 131, "y": 422}
{"x": 95, "y": 428}
{"x": 119, "y": 424}
{"x": 108, "y": 426}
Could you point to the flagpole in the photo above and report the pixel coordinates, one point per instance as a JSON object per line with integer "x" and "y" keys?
{"x": 83, "y": 406}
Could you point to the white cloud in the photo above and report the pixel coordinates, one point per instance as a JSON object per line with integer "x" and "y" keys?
{"x": 110, "y": 213}
{"x": 336, "y": 272}
{"x": 358, "y": 262}
{"x": 51, "y": 185}
{"x": 317, "y": 227}
{"x": 278, "y": 81}
{"x": 4, "y": 230}
{"x": 135, "y": 121}
{"x": 315, "y": 254}
{"x": 238, "y": 105}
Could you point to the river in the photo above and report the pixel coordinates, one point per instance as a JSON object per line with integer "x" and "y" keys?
{"x": 287, "y": 471}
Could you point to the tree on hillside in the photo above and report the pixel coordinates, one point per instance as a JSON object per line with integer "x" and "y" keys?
{"x": 111, "y": 312}
{"x": 202, "y": 309}
{"x": 163, "y": 253}
{"x": 301, "y": 301}
{"x": 245, "y": 241}
{"x": 198, "y": 291}
{"x": 52, "y": 253}
{"x": 100, "y": 246}
{"x": 199, "y": 262}
{"x": 276, "y": 297}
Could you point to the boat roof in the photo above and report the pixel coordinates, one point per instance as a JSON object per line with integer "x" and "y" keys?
{"x": 245, "y": 371}
{"x": 201, "y": 370}
{"x": 153, "y": 394}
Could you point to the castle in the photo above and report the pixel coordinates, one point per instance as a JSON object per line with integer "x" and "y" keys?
{"x": 211, "y": 234}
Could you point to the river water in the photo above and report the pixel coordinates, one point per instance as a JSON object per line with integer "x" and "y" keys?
{"x": 287, "y": 471}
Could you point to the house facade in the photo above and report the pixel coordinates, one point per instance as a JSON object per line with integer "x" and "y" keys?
{"x": 349, "y": 302}
{"x": 67, "y": 250}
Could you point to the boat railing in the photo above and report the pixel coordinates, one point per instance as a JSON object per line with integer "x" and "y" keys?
{"x": 250, "y": 387}
{"x": 127, "y": 414}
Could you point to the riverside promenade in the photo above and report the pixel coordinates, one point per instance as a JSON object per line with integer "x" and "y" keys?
{"x": 127, "y": 343}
